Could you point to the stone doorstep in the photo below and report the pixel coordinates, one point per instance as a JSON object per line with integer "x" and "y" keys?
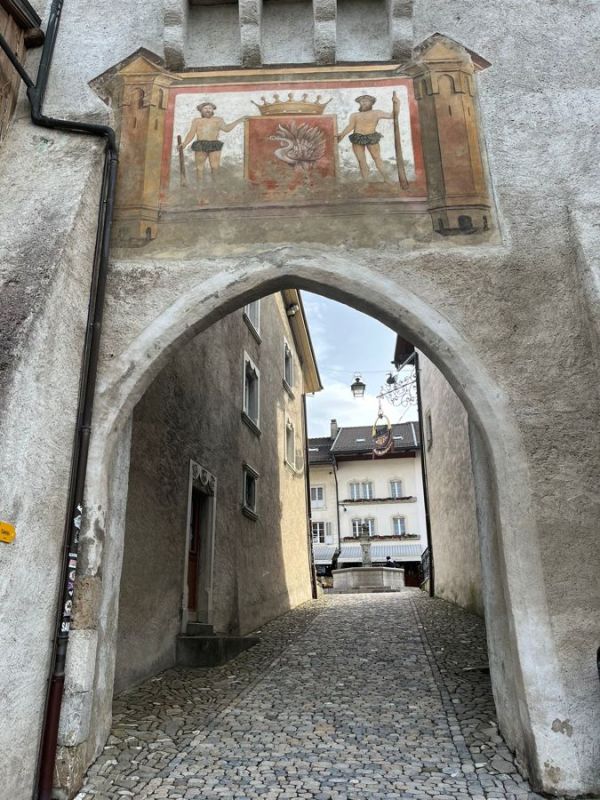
{"x": 199, "y": 629}
{"x": 211, "y": 650}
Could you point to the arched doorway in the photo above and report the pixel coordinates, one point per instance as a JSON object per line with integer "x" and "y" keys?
{"x": 518, "y": 626}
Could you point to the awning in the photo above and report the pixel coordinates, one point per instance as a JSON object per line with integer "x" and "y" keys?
{"x": 350, "y": 554}
{"x": 396, "y": 551}
{"x": 323, "y": 553}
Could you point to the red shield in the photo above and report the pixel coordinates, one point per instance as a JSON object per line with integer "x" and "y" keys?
{"x": 285, "y": 151}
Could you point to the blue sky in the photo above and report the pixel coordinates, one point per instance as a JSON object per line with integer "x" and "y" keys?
{"x": 347, "y": 342}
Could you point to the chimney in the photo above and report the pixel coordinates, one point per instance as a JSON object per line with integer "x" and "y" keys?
{"x": 334, "y": 428}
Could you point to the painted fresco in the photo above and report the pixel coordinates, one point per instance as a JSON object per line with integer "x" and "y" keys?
{"x": 337, "y": 154}
{"x": 321, "y": 143}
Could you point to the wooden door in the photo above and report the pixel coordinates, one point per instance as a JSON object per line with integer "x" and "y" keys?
{"x": 194, "y": 550}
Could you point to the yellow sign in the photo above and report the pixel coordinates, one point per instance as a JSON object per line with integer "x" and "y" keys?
{"x": 7, "y": 532}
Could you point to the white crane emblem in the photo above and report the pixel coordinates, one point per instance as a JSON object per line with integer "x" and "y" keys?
{"x": 303, "y": 145}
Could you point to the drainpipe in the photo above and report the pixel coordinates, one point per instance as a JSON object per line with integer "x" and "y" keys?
{"x": 87, "y": 384}
{"x": 424, "y": 477}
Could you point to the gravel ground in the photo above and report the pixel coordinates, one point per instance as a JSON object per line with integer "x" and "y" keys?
{"x": 349, "y": 697}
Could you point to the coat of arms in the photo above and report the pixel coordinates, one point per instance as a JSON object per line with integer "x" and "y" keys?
{"x": 290, "y": 143}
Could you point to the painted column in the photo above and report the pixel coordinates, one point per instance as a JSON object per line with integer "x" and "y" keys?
{"x": 142, "y": 110}
{"x": 443, "y": 74}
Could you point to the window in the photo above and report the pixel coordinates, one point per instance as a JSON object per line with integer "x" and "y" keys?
{"x": 361, "y": 490}
{"x": 249, "y": 492}
{"x": 358, "y": 523}
{"x": 251, "y": 411}
{"x": 317, "y": 497}
{"x": 321, "y": 532}
{"x": 399, "y": 526}
{"x": 288, "y": 365}
{"x": 252, "y": 318}
{"x": 318, "y": 532}
{"x": 290, "y": 444}
{"x": 396, "y": 489}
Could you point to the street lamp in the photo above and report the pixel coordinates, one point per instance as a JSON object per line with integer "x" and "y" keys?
{"x": 358, "y": 387}
{"x": 399, "y": 391}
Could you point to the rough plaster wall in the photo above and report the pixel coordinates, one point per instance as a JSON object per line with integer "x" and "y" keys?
{"x": 517, "y": 306}
{"x": 287, "y": 32}
{"x": 45, "y": 265}
{"x": 192, "y": 411}
{"x": 506, "y": 680}
{"x": 362, "y": 31}
{"x": 454, "y": 534}
{"x": 213, "y": 36}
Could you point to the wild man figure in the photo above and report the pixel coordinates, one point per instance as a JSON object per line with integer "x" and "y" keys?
{"x": 365, "y": 136}
{"x": 205, "y": 129}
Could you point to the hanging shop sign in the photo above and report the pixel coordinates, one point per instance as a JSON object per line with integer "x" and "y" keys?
{"x": 382, "y": 435}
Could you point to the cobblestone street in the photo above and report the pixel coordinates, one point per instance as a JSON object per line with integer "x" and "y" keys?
{"x": 353, "y": 696}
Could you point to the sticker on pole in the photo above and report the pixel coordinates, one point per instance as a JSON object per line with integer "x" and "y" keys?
{"x": 7, "y": 532}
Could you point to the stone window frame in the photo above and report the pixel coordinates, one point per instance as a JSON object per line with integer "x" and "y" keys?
{"x": 251, "y": 419}
{"x": 252, "y": 319}
{"x": 249, "y": 502}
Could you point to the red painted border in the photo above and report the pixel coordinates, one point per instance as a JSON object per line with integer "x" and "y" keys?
{"x": 419, "y": 183}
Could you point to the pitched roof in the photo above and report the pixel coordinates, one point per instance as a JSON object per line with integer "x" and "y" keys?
{"x": 359, "y": 439}
{"x": 319, "y": 450}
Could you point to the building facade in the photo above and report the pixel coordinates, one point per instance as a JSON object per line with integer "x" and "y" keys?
{"x": 480, "y": 247}
{"x": 351, "y": 490}
{"x": 216, "y": 480}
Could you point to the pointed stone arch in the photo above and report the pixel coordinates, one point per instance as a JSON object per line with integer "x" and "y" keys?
{"x": 525, "y": 674}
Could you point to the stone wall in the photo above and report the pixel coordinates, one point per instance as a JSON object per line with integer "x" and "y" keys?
{"x": 192, "y": 411}
{"x": 454, "y": 534}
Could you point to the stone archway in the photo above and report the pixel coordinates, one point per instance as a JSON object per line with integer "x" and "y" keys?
{"x": 524, "y": 668}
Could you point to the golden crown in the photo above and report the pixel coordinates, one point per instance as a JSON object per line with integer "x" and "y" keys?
{"x": 281, "y": 107}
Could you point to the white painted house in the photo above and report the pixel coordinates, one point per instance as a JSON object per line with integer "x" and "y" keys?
{"x": 351, "y": 488}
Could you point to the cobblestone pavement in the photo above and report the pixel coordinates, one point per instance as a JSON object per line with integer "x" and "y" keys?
{"x": 351, "y": 697}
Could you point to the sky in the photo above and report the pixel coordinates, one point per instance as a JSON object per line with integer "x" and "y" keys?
{"x": 347, "y": 342}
